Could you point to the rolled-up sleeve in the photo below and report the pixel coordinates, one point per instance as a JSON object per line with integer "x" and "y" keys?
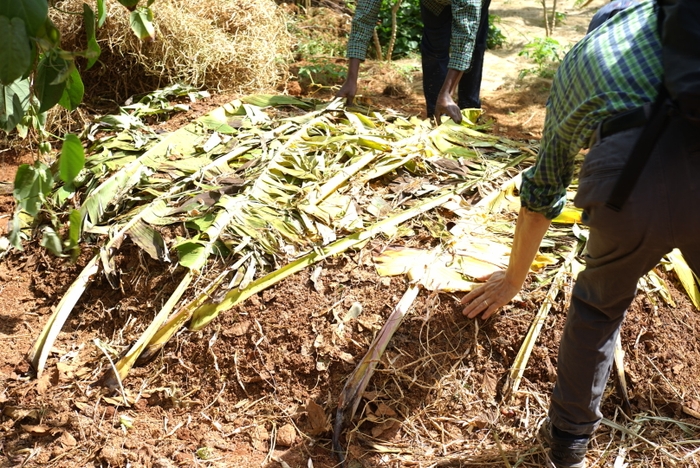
{"x": 363, "y": 23}
{"x": 465, "y": 23}
{"x": 543, "y": 188}
{"x": 566, "y": 131}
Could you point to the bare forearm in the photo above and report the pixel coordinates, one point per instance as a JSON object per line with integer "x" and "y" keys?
{"x": 445, "y": 105}
{"x": 451, "y": 82}
{"x": 529, "y": 232}
{"x": 354, "y": 68}
{"x": 502, "y": 286}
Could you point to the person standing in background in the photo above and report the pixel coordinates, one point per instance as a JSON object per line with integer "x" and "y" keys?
{"x": 452, "y": 52}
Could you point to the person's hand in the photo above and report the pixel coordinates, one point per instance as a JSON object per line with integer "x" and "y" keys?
{"x": 349, "y": 88}
{"x": 488, "y": 298}
{"x": 348, "y": 91}
{"x": 446, "y": 106}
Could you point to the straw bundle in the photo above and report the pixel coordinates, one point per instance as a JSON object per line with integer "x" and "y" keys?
{"x": 235, "y": 45}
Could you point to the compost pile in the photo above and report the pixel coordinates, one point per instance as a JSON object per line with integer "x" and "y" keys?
{"x": 277, "y": 283}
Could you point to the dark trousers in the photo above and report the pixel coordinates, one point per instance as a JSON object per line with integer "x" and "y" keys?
{"x": 435, "y": 56}
{"x": 661, "y": 214}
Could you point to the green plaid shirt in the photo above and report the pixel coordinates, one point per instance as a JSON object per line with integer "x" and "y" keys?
{"x": 616, "y": 67}
{"x": 465, "y": 22}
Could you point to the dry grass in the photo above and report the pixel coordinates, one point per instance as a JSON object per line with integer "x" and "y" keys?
{"x": 233, "y": 45}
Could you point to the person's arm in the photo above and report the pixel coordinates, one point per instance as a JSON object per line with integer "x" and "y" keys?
{"x": 349, "y": 88}
{"x": 502, "y": 286}
{"x": 445, "y": 104}
{"x": 363, "y": 23}
{"x": 466, "y": 15}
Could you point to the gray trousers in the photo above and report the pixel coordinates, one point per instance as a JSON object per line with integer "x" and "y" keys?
{"x": 662, "y": 213}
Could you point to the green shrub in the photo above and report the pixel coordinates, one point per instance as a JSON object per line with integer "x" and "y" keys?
{"x": 495, "y": 38}
{"x": 409, "y": 28}
{"x": 323, "y": 73}
{"x": 546, "y": 53}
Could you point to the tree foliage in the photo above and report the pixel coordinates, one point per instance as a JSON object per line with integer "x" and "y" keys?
{"x": 36, "y": 74}
{"x": 409, "y": 30}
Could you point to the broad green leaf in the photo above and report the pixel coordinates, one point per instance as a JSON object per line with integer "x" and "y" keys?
{"x": 141, "y": 21}
{"x": 32, "y": 184}
{"x": 49, "y": 85}
{"x": 15, "y": 53}
{"x": 93, "y": 48}
{"x": 32, "y": 12}
{"x": 73, "y": 93}
{"x": 64, "y": 192}
{"x": 14, "y": 101}
{"x": 72, "y": 159}
{"x": 193, "y": 254}
{"x": 15, "y": 235}
{"x": 130, "y": 4}
{"x": 201, "y": 223}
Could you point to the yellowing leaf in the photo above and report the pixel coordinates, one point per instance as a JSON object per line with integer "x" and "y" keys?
{"x": 569, "y": 215}
{"x": 478, "y": 267}
{"x": 543, "y": 260}
{"x": 686, "y": 275}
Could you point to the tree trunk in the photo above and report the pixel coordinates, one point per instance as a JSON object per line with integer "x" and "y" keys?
{"x": 377, "y": 45}
{"x": 554, "y": 16}
{"x": 546, "y": 18}
{"x": 392, "y": 41}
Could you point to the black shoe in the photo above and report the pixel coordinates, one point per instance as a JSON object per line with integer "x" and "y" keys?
{"x": 565, "y": 450}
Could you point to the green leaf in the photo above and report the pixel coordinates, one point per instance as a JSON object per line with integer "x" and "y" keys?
{"x": 49, "y": 86}
{"x": 16, "y": 53}
{"x": 52, "y": 241}
{"x": 15, "y": 234}
{"x": 213, "y": 123}
{"x": 269, "y": 100}
{"x": 93, "y": 48}
{"x": 75, "y": 220}
{"x": 130, "y": 4}
{"x": 193, "y": 254}
{"x": 141, "y": 21}
{"x": 14, "y": 101}
{"x": 32, "y": 12}
{"x": 32, "y": 184}
{"x": 49, "y": 36}
{"x": 73, "y": 93}
{"x": 72, "y": 158}
{"x": 101, "y": 13}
